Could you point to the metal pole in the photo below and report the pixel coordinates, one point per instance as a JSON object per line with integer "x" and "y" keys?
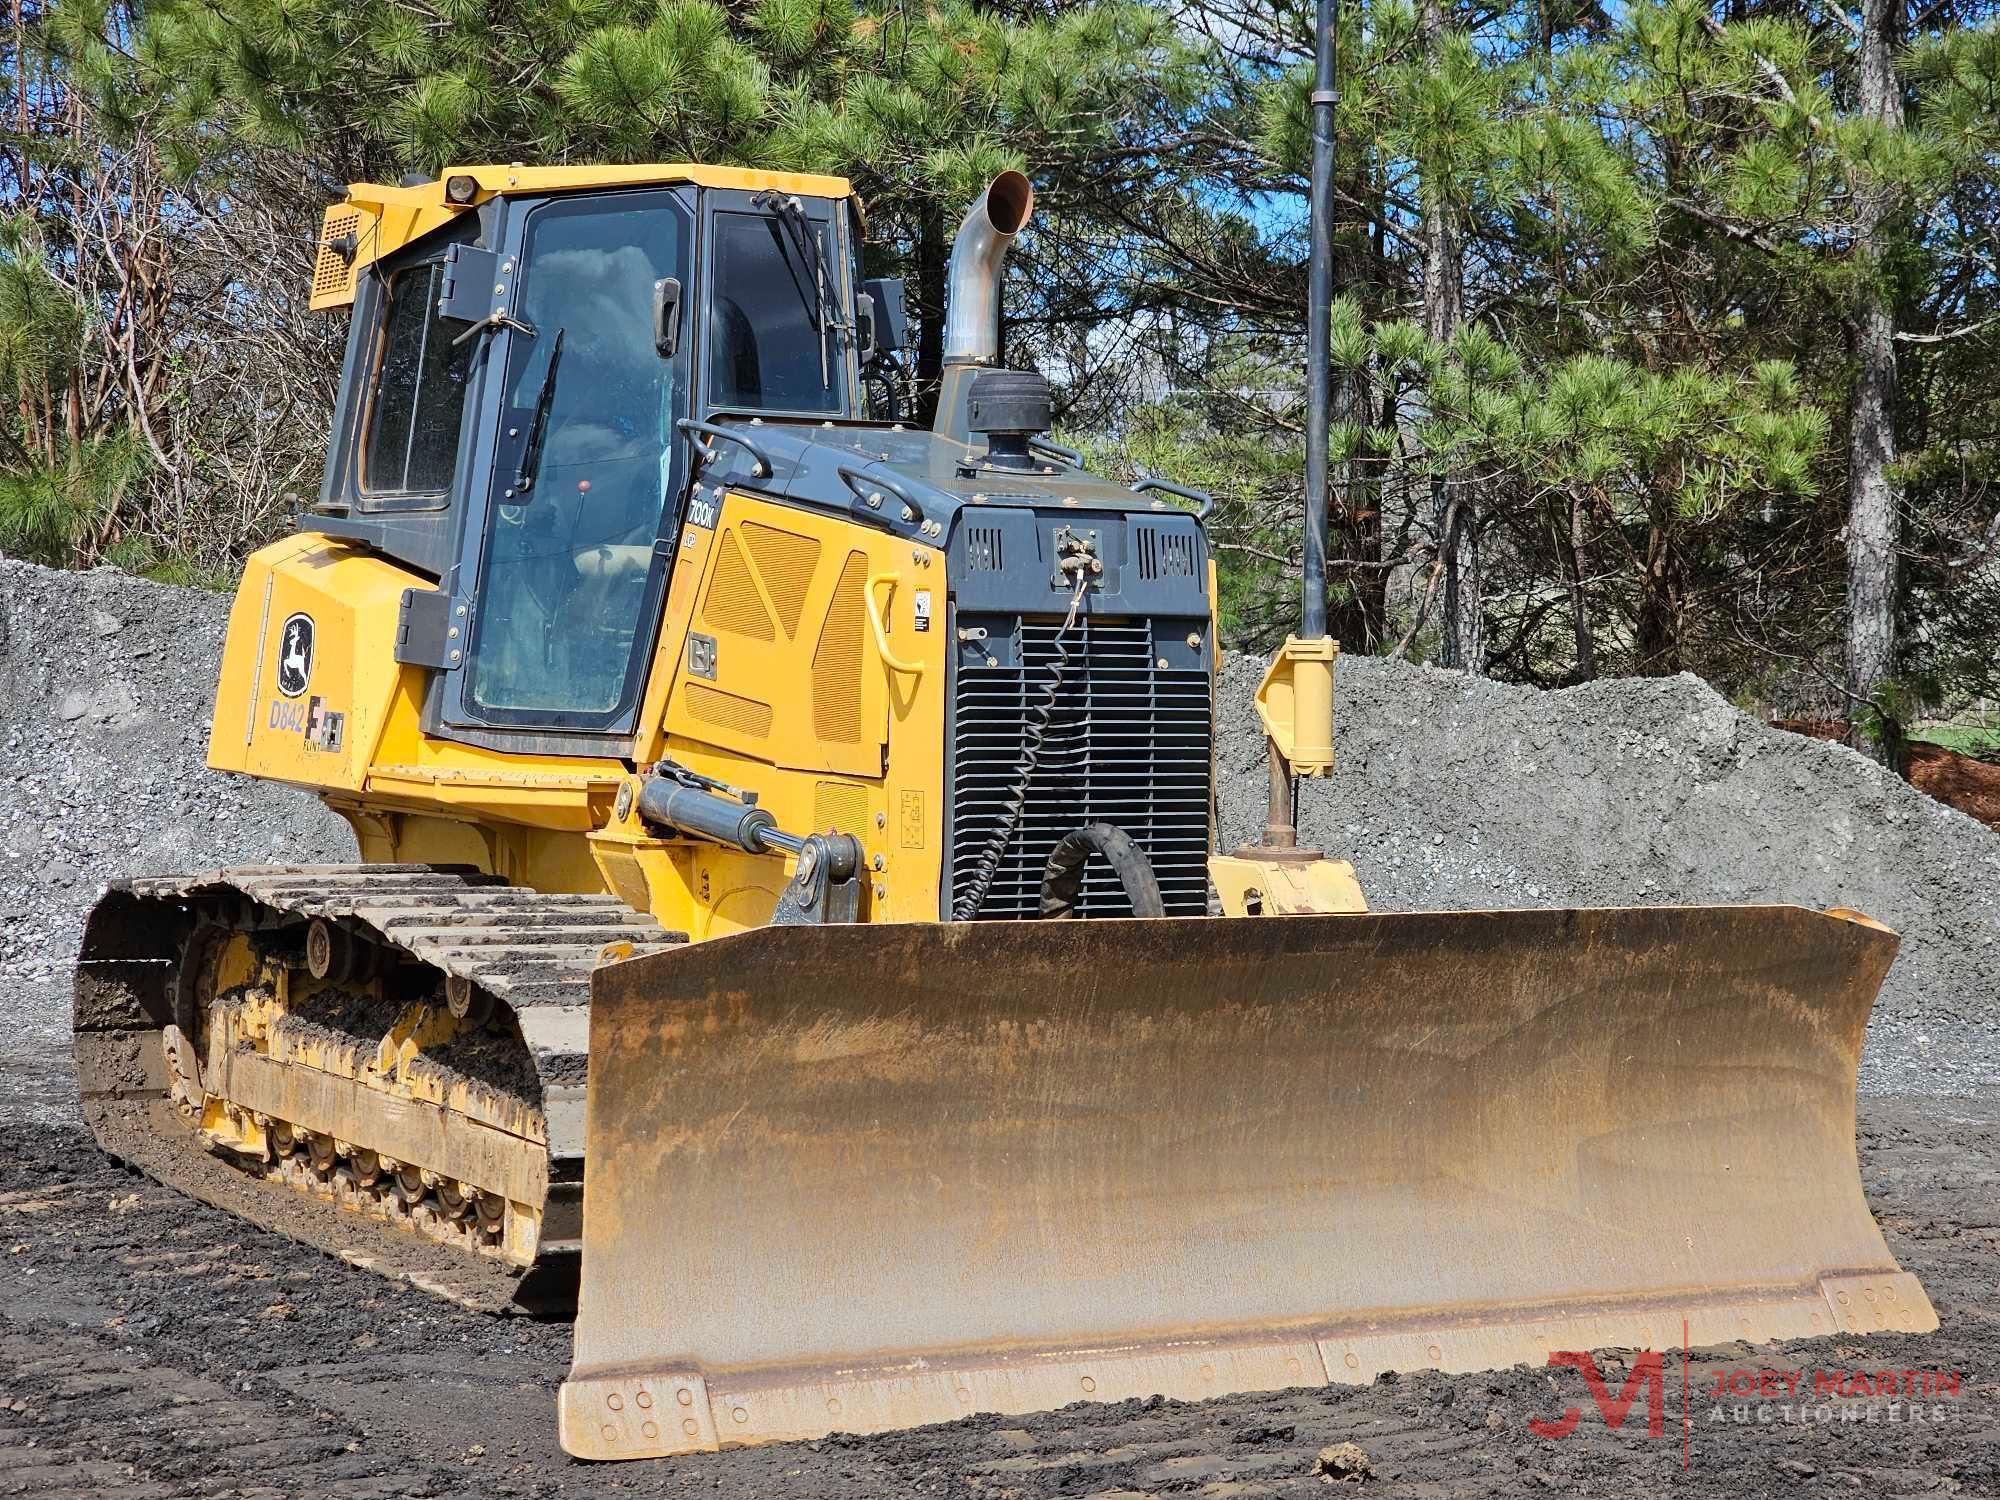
{"x": 1281, "y": 835}
{"x": 1319, "y": 315}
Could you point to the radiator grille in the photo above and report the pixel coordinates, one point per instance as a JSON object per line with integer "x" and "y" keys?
{"x": 840, "y": 807}
{"x": 837, "y": 659}
{"x": 732, "y": 602}
{"x": 727, "y": 711}
{"x": 786, "y": 562}
{"x": 1129, "y": 744}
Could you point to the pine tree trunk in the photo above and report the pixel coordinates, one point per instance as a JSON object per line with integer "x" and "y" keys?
{"x": 1874, "y": 523}
{"x": 1454, "y": 505}
{"x": 932, "y": 255}
{"x": 1357, "y": 595}
{"x": 1656, "y": 624}
{"x": 1586, "y": 640}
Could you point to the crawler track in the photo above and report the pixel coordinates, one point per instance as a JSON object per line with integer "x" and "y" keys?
{"x": 404, "y": 1042}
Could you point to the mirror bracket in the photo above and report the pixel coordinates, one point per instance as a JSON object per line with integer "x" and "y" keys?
{"x": 891, "y": 321}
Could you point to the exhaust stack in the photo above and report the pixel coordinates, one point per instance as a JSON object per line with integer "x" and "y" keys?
{"x": 972, "y": 292}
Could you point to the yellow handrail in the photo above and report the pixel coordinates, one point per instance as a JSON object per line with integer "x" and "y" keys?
{"x": 875, "y": 620}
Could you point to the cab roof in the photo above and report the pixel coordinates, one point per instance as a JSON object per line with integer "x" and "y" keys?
{"x": 530, "y": 180}
{"x": 376, "y": 220}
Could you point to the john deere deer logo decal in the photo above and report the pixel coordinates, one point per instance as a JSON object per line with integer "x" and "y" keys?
{"x": 295, "y": 655}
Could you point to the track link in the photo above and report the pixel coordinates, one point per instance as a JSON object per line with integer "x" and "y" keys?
{"x": 506, "y": 1077}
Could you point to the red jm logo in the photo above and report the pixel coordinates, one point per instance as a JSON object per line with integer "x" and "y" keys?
{"x": 1647, "y": 1371}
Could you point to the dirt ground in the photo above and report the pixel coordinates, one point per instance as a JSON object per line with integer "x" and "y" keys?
{"x": 1970, "y": 785}
{"x": 152, "y": 1347}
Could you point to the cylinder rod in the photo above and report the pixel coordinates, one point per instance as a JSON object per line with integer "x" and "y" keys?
{"x": 1281, "y": 829}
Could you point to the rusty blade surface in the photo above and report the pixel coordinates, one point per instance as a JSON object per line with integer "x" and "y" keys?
{"x": 853, "y": 1178}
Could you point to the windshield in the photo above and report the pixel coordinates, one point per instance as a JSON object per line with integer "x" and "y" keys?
{"x": 589, "y": 417}
{"x": 772, "y": 346}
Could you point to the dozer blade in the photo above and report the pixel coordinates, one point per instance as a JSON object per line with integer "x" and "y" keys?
{"x": 858, "y": 1178}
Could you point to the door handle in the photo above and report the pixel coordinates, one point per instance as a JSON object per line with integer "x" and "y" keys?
{"x": 878, "y": 623}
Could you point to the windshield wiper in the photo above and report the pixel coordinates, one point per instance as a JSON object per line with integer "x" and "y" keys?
{"x": 531, "y": 451}
{"x": 805, "y": 243}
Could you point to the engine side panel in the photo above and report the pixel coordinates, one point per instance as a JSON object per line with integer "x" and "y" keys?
{"x": 310, "y": 693}
{"x": 771, "y": 676}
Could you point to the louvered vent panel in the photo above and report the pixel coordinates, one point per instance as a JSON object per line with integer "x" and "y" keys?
{"x": 1165, "y": 554}
{"x": 332, "y": 270}
{"x": 836, "y": 685}
{"x": 1128, "y": 744}
{"x": 983, "y": 550}
{"x": 785, "y": 561}
{"x": 732, "y": 602}
{"x": 713, "y": 706}
{"x": 840, "y": 807}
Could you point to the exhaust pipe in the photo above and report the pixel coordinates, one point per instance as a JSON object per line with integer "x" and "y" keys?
{"x": 972, "y": 281}
{"x": 972, "y": 295}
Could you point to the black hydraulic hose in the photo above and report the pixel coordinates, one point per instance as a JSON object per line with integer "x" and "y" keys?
{"x": 1062, "y": 878}
{"x": 973, "y": 899}
{"x": 883, "y": 371}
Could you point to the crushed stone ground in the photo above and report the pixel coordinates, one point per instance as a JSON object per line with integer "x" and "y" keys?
{"x": 106, "y": 686}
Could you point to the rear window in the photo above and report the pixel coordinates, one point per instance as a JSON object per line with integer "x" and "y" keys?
{"x": 413, "y": 421}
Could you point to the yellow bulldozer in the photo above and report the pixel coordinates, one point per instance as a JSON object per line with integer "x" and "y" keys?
{"x": 788, "y": 888}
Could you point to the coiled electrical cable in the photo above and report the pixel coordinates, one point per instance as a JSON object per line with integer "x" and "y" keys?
{"x": 973, "y": 899}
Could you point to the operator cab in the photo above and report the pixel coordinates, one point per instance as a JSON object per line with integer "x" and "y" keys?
{"x": 528, "y": 369}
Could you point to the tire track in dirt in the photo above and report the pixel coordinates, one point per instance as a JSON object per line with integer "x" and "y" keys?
{"x": 153, "y": 1347}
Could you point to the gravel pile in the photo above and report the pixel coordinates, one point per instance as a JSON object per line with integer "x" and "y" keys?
{"x": 1453, "y": 793}
{"x": 1450, "y": 793}
{"x": 106, "y": 682}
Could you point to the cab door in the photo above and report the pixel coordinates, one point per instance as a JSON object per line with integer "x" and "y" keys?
{"x": 570, "y": 562}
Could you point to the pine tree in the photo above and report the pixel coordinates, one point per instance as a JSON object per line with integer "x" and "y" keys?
{"x": 1665, "y": 219}
{"x": 1455, "y": 94}
{"x": 921, "y": 107}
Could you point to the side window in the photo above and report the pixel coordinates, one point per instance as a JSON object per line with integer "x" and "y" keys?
{"x": 411, "y": 445}
{"x": 770, "y": 345}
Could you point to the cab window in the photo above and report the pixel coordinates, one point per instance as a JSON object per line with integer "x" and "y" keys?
{"x": 563, "y": 628}
{"x": 771, "y": 343}
{"x": 411, "y": 445}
